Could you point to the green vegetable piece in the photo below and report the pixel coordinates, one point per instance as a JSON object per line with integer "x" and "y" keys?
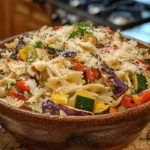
{"x": 105, "y": 111}
{"x": 38, "y": 44}
{"x": 140, "y": 83}
{"x": 84, "y": 103}
{"x": 80, "y": 29}
{"x": 83, "y": 24}
{"x": 73, "y": 35}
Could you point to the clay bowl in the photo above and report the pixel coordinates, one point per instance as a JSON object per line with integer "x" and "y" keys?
{"x": 44, "y": 132}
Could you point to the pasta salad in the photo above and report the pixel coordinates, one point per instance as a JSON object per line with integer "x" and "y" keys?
{"x": 74, "y": 70}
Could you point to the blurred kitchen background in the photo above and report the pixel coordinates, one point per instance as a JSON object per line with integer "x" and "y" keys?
{"x": 132, "y": 17}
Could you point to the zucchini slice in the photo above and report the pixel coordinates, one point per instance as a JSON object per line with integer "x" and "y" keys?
{"x": 140, "y": 82}
{"x": 101, "y": 108}
{"x": 84, "y": 101}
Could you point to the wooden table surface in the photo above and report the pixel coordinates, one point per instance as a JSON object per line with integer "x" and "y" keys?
{"x": 7, "y": 142}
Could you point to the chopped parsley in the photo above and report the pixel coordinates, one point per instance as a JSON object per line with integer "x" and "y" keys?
{"x": 38, "y": 44}
{"x": 80, "y": 29}
{"x": 83, "y": 24}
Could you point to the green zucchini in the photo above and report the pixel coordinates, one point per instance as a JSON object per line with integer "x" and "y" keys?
{"x": 84, "y": 102}
{"x": 101, "y": 108}
{"x": 140, "y": 83}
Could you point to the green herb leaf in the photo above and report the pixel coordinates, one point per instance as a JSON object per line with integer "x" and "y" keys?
{"x": 73, "y": 34}
{"x": 38, "y": 44}
{"x": 83, "y": 24}
{"x": 80, "y": 29}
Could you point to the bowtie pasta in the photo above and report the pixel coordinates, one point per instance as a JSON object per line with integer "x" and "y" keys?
{"x": 74, "y": 70}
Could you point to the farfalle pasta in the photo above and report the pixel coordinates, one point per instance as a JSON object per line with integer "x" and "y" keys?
{"x": 74, "y": 70}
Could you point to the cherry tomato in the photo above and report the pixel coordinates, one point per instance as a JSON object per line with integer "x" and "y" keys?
{"x": 22, "y": 86}
{"x": 128, "y": 101}
{"x": 57, "y": 28}
{"x": 18, "y": 96}
{"x": 144, "y": 96}
{"x": 112, "y": 110}
{"x": 92, "y": 74}
{"x": 78, "y": 66}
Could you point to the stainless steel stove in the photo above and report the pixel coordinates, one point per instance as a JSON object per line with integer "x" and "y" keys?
{"x": 117, "y": 14}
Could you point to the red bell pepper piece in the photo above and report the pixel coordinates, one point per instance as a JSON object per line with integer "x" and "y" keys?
{"x": 18, "y": 96}
{"x": 21, "y": 86}
{"x": 92, "y": 74}
{"x": 78, "y": 66}
{"x": 57, "y": 28}
{"x": 112, "y": 110}
{"x": 144, "y": 96}
{"x": 128, "y": 101}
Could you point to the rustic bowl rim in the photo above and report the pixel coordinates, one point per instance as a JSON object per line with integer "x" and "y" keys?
{"x": 132, "y": 112}
{"x": 123, "y": 115}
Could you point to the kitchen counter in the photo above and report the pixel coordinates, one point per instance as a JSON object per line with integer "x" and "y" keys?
{"x": 7, "y": 142}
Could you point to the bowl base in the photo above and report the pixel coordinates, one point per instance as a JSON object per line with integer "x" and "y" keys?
{"x": 117, "y": 147}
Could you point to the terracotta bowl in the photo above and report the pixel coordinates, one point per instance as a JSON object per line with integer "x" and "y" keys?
{"x": 44, "y": 132}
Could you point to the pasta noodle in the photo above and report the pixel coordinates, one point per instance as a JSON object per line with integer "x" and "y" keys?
{"x": 77, "y": 67}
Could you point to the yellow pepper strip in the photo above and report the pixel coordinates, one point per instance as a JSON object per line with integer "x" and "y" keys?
{"x": 60, "y": 98}
{"x": 90, "y": 38}
{"x": 23, "y": 53}
{"x": 85, "y": 94}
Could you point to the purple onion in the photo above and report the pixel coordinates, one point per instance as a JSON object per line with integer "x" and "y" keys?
{"x": 54, "y": 109}
{"x": 117, "y": 86}
{"x": 52, "y": 51}
{"x": 73, "y": 112}
{"x": 69, "y": 54}
{"x": 56, "y": 52}
{"x": 51, "y": 107}
{"x": 14, "y": 56}
{"x": 21, "y": 43}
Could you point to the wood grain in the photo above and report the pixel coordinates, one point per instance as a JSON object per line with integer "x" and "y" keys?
{"x": 18, "y": 16}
